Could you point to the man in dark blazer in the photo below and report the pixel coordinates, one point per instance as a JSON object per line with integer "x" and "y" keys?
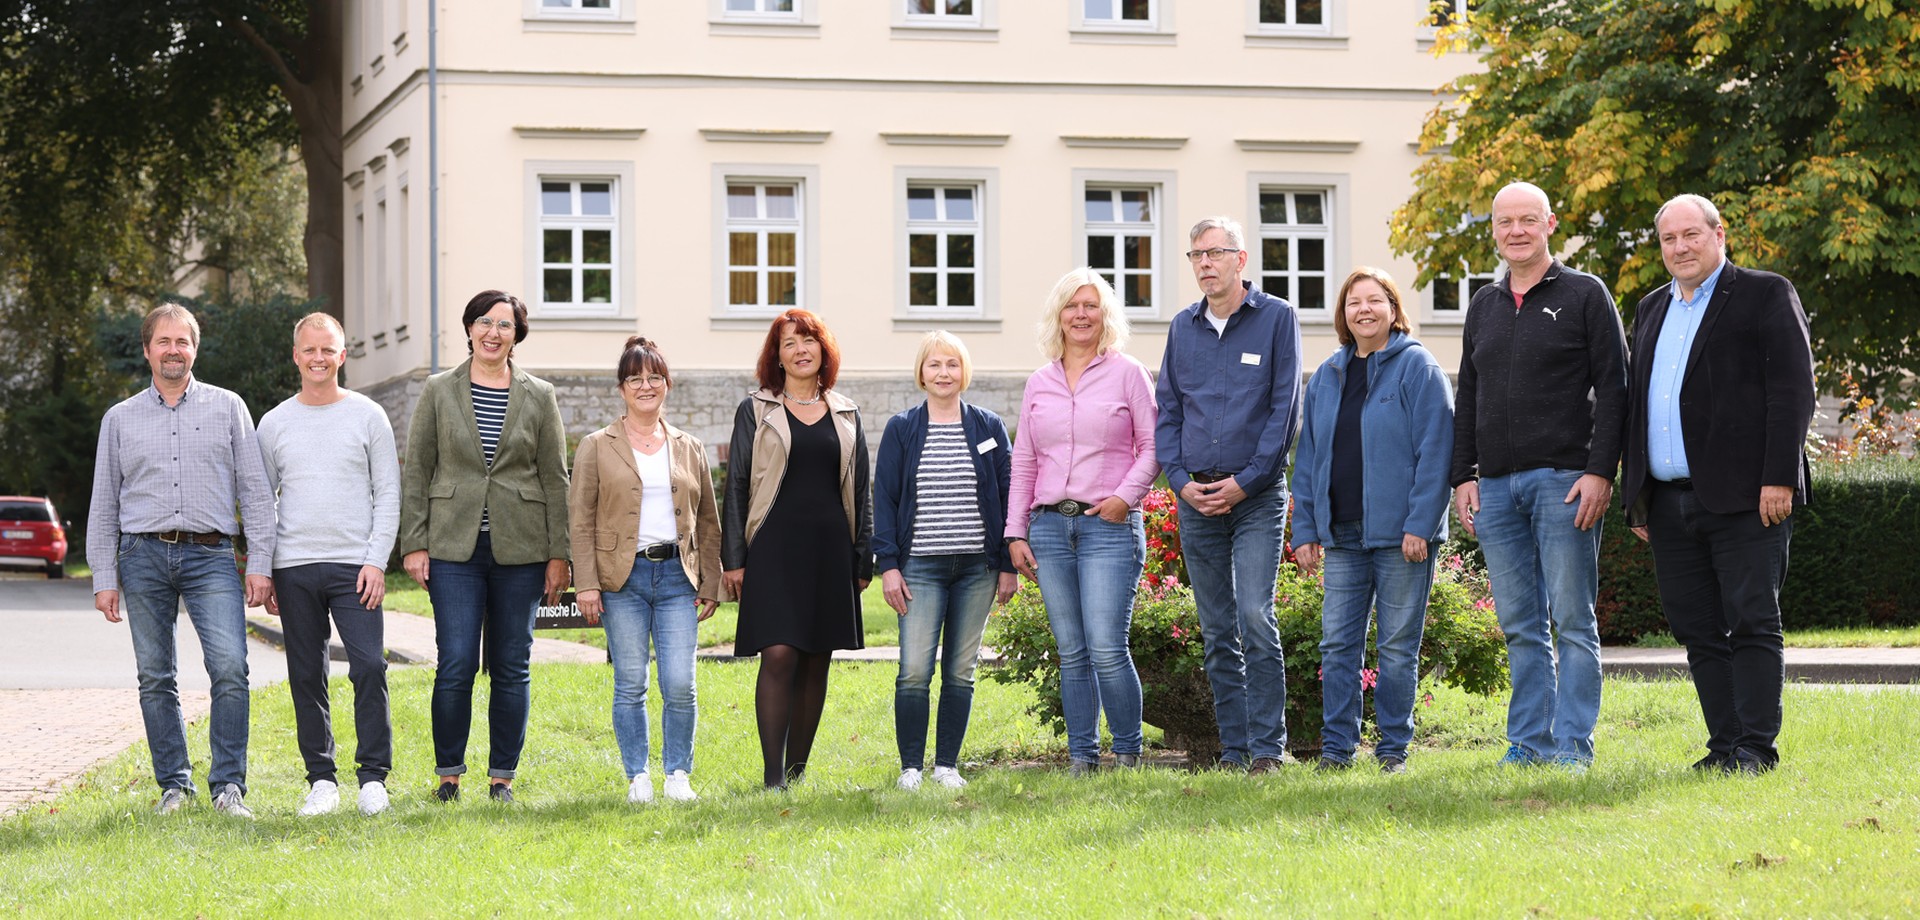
{"x": 1721, "y": 395}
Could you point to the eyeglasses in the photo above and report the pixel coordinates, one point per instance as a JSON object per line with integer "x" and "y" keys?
{"x": 485, "y": 323}
{"x": 638, "y": 381}
{"x": 1211, "y": 255}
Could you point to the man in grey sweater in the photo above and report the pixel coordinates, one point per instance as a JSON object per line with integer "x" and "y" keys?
{"x": 330, "y": 459}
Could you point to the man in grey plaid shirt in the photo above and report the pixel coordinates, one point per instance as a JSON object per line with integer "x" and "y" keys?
{"x": 175, "y": 462}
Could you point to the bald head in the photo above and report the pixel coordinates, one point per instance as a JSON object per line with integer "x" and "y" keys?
{"x": 1522, "y": 222}
{"x": 1524, "y": 191}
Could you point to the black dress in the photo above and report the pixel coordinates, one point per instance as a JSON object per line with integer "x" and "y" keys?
{"x": 799, "y": 588}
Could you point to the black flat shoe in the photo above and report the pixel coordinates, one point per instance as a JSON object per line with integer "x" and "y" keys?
{"x": 448, "y": 792}
{"x": 500, "y": 792}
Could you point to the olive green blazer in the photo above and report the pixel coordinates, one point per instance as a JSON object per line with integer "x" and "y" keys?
{"x": 446, "y": 481}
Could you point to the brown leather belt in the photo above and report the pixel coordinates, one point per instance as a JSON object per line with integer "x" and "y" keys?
{"x": 1207, "y": 477}
{"x": 187, "y": 536}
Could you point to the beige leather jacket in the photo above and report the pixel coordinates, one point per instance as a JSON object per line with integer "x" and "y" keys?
{"x": 757, "y": 462}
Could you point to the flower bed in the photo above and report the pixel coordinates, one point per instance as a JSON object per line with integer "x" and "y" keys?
{"x": 1463, "y": 645}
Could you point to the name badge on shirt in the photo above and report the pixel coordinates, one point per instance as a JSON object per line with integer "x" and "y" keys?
{"x": 986, "y": 445}
{"x": 1247, "y": 357}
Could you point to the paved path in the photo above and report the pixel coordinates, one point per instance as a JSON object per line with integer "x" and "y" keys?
{"x": 68, "y": 695}
{"x": 1807, "y": 665}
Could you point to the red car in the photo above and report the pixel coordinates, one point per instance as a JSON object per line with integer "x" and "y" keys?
{"x": 32, "y": 534}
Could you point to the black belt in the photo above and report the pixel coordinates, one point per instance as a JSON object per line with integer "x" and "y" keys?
{"x": 659, "y": 552}
{"x": 1071, "y": 507}
{"x": 1684, "y": 485}
{"x": 186, "y": 536}
{"x": 1206, "y": 477}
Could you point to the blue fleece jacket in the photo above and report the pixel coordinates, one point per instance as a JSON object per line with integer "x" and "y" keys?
{"x": 1406, "y": 442}
{"x": 897, "y": 468}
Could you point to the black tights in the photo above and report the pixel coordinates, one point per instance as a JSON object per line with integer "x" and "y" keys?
{"x": 787, "y": 699}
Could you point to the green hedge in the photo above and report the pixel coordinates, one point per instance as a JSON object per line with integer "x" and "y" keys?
{"x": 1855, "y": 558}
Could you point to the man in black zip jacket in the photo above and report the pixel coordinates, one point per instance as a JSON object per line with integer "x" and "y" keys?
{"x": 1536, "y": 433}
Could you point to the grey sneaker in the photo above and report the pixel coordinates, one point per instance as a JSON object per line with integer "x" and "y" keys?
{"x": 228, "y": 801}
{"x": 1126, "y": 761}
{"x": 322, "y": 797}
{"x": 1083, "y": 768}
{"x": 373, "y": 798}
{"x": 172, "y": 800}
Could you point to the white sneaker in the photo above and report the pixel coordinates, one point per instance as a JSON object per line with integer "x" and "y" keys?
{"x": 172, "y": 800}
{"x": 910, "y": 779}
{"x": 949, "y": 777}
{"x": 228, "y": 801}
{"x": 322, "y": 797}
{"x": 680, "y": 787}
{"x": 640, "y": 791}
{"x": 373, "y": 798}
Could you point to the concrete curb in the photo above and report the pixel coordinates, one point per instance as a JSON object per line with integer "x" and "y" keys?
{"x": 267, "y": 629}
{"x": 1804, "y": 665}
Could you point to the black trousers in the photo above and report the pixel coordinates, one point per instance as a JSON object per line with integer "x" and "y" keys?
{"x": 1720, "y": 578}
{"x": 307, "y": 594}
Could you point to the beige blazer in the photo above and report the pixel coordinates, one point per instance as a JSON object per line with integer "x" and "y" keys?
{"x": 604, "y": 505}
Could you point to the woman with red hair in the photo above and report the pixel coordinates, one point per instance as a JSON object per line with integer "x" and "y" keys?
{"x": 795, "y": 533}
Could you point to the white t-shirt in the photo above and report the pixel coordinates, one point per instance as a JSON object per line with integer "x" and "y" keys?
{"x": 656, "y": 497}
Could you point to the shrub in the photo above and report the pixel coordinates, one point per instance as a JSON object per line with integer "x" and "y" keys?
{"x": 1463, "y": 646}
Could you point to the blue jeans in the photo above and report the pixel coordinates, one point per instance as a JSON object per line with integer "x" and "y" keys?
{"x": 154, "y": 578}
{"x": 1231, "y": 562}
{"x": 1545, "y": 574}
{"x": 473, "y": 600}
{"x": 658, "y": 602}
{"x": 1089, "y": 570}
{"x": 952, "y": 596}
{"x": 1360, "y": 582}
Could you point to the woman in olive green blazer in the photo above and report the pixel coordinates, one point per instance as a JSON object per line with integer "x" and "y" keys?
{"x": 483, "y": 525}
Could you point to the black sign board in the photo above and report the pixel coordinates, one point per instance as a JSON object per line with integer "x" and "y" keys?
{"x": 564, "y": 615}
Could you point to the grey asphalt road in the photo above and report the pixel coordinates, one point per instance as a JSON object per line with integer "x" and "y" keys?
{"x": 51, "y": 638}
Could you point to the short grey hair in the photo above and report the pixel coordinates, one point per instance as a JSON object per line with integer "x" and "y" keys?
{"x": 1236, "y": 236}
{"x": 1707, "y": 209}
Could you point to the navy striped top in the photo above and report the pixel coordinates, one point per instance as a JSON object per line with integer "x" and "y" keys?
{"x": 489, "y": 415}
{"x": 946, "y": 519}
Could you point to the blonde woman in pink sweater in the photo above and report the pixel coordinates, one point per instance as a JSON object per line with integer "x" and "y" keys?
{"x": 1082, "y": 461}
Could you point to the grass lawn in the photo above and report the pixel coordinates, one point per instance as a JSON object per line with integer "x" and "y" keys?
{"x": 1835, "y": 831}
{"x": 882, "y": 624}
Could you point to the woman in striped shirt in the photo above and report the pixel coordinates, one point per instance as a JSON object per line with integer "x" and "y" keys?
{"x": 939, "y": 507}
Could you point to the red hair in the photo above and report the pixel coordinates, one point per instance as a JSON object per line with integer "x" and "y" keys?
{"x": 772, "y": 376}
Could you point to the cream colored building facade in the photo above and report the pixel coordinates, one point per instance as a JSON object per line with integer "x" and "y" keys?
{"x": 687, "y": 168}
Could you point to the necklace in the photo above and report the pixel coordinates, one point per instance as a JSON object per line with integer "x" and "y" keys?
{"x": 817, "y": 396}
{"x": 646, "y": 438}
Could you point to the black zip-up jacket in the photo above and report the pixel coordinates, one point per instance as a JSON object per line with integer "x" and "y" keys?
{"x": 1543, "y": 386}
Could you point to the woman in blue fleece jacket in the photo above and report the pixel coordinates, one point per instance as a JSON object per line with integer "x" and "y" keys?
{"x": 1370, "y": 502}
{"x": 939, "y": 507}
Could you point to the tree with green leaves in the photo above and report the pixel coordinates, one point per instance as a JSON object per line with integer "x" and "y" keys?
{"x": 1799, "y": 118}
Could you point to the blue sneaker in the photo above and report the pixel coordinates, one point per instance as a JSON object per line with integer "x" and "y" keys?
{"x": 1518, "y": 756}
{"x": 1568, "y": 763}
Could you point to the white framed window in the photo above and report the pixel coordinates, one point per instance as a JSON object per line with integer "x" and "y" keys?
{"x": 1136, "y": 14}
{"x": 944, "y": 239}
{"x": 1303, "y": 15}
{"x": 1299, "y": 238}
{"x": 578, "y": 237}
{"x": 578, "y": 15}
{"x": 1452, "y": 292}
{"x": 766, "y": 225}
{"x": 1121, "y": 236}
{"x": 767, "y": 18}
{"x": 1296, "y": 242}
{"x": 579, "y": 256}
{"x": 1319, "y": 24}
{"x": 1124, "y": 21}
{"x": 943, "y": 12}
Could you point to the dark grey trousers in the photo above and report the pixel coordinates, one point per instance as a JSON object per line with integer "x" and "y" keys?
{"x": 307, "y": 594}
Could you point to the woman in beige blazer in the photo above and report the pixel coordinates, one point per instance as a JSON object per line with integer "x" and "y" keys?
{"x": 483, "y": 525}
{"x": 646, "y": 550}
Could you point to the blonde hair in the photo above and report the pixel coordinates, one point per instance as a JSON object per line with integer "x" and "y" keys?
{"x": 942, "y": 340}
{"x": 1114, "y": 331}
{"x": 319, "y": 320}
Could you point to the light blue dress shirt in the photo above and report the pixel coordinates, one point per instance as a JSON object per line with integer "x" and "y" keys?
{"x": 1666, "y": 448}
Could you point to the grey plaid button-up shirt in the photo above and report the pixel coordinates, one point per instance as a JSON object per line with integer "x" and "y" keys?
{"x": 194, "y": 467}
